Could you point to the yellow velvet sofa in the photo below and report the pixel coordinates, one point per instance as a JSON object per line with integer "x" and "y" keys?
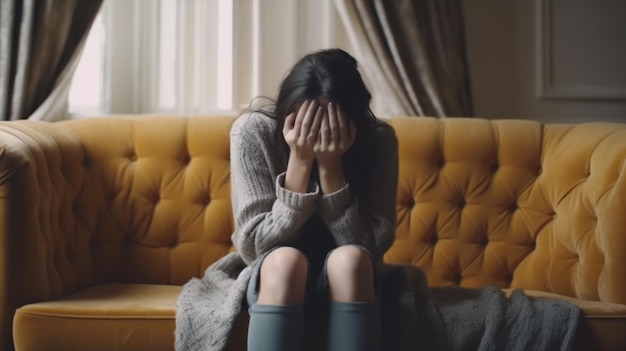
{"x": 103, "y": 219}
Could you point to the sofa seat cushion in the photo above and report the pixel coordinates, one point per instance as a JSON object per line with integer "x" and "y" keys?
{"x": 142, "y": 317}
{"x": 107, "y": 317}
{"x": 104, "y": 317}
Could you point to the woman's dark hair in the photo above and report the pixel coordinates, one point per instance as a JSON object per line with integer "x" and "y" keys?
{"x": 332, "y": 74}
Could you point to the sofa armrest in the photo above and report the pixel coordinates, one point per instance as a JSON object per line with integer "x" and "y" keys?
{"x": 39, "y": 250}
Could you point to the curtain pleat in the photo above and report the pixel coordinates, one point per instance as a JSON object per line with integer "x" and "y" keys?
{"x": 413, "y": 52}
{"x": 40, "y": 42}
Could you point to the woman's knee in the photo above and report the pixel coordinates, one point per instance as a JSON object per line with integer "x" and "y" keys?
{"x": 283, "y": 277}
{"x": 350, "y": 274}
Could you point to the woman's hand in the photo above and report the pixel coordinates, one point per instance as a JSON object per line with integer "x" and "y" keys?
{"x": 301, "y": 131}
{"x": 336, "y": 136}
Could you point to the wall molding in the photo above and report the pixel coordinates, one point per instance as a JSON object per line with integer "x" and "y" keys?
{"x": 547, "y": 87}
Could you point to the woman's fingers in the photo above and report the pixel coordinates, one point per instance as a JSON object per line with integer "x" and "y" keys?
{"x": 307, "y": 121}
{"x": 333, "y": 124}
{"x": 342, "y": 121}
{"x": 325, "y": 130}
{"x": 290, "y": 120}
{"x": 300, "y": 116}
{"x": 317, "y": 123}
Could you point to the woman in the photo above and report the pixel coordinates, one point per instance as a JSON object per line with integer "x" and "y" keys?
{"x": 314, "y": 180}
{"x": 314, "y": 184}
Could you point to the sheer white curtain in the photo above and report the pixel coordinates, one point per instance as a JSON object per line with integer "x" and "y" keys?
{"x": 207, "y": 57}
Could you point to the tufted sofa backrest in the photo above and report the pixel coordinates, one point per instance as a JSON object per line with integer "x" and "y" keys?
{"x": 514, "y": 203}
{"x": 146, "y": 199}
{"x": 162, "y": 188}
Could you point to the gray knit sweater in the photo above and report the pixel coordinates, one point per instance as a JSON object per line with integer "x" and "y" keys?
{"x": 413, "y": 316}
{"x": 268, "y": 215}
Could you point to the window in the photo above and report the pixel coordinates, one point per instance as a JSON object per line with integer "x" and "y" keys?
{"x": 85, "y": 95}
{"x": 196, "y": 56}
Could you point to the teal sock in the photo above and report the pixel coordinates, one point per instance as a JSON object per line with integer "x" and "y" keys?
{"x": 275, "y": 328}
{"x": 354, "y": 326}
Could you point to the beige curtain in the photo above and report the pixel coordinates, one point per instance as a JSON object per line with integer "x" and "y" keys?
{"x": 40, "y": 44}
{"x": 413, "y": 53}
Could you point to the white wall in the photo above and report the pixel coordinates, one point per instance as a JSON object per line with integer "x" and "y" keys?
{"x": 551, "y": 60}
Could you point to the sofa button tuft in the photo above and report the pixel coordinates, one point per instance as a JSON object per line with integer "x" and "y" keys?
{"x": 174, "y": 243}
{"x": 206, "y": 200}
{"x": 458, "y": 278}
{"x": 411, "y": 203}
{"x": 76, "y": 208}
{"x": 434, "y": 239}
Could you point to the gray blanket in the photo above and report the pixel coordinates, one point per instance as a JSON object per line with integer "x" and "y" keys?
{"x": 415, "y": 317}
{"x": 454, "y": 319}
{"x": 207, "y": 308}
{"x": 486, "y": 320}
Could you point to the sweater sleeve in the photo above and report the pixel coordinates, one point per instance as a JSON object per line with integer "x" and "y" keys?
{"x": 370, "y": 219}
{"x": 266, "y": 214}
